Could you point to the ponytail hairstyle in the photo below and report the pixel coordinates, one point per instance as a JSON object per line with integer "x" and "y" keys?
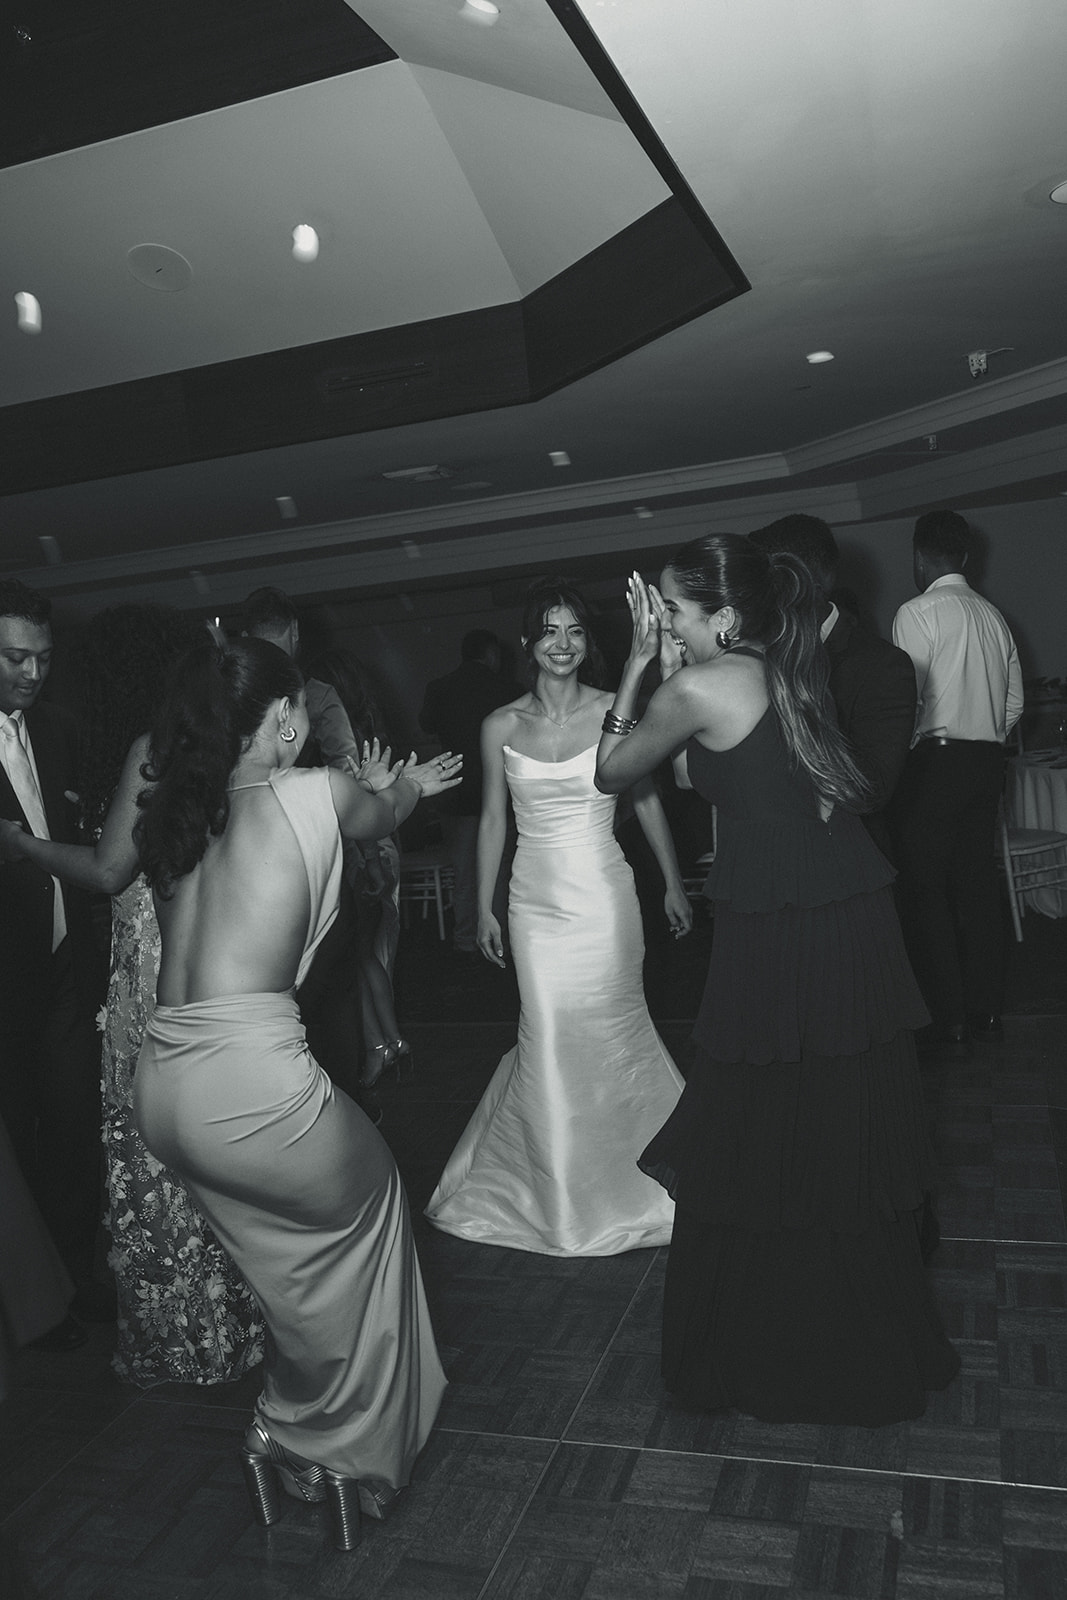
{"x": 217, "y": 702}
{"x": 776, "y": 604}
{"x": 542, "y": 597}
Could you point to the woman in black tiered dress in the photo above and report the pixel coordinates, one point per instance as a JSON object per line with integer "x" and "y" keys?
{"x": 798, "y": 1155}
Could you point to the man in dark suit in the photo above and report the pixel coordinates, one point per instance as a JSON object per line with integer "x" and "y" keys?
{"x": 51, "y": 969}
{"x": 872, "y": 682}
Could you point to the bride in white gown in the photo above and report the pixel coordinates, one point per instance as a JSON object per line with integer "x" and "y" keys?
{"x": 548, "y": 1161}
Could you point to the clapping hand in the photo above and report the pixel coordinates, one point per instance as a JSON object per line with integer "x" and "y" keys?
{"x": 377, "y": 770}
{"x": 671, "y": 650}
{"x": 433, "y": 777}
{"x": 646, "y": 638}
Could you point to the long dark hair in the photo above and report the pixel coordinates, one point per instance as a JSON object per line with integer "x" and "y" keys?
{"x": 775, "y": 601}
{"x": 345, "y": 672}
{"x": 541, "y": 598}
{"x": 121, "y": 667}
{"x": 217, "y": 703}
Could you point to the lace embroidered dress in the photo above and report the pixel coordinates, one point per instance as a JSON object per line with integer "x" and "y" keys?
{"x": 186, "y": 1314}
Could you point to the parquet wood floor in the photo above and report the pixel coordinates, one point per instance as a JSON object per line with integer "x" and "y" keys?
{"x": 559, "y": 1469}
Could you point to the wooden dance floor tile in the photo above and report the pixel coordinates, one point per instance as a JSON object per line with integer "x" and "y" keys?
{"x": 561, "y": 1469}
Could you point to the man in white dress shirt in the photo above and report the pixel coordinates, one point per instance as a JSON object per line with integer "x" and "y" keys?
{"x": 970, "y": 697}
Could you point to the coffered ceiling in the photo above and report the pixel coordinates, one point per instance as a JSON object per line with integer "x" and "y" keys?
{"x": 614, "y": 230}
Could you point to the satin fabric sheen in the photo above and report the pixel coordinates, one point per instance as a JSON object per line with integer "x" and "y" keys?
{"x": 304, "y": 1194}
{"x": 548, "y": 1161}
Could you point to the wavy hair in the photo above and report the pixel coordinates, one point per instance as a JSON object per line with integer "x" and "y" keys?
{"x": 775, "y": 599}
{"x": 345, "y": 673}
{"x": 541, "y": 598}
{"x": 121, "y": 667}
{"x": 217, "y": 703}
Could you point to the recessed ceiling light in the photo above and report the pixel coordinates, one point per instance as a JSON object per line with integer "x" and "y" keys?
{"x": 50, "y": 548}
{"x": 29, "y": 312}
{"x": 305, "y": 242}
{"x": 1059, "y": 194}
{"x": 479, "y": 11}
{"x": 286, "y": 506}
{"x": 815, "y": 358}
{"x": 642, "y": 512}
{"x": 559, "y": 458}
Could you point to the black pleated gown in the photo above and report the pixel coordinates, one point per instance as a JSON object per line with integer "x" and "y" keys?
{"x": 799, "y": 1155}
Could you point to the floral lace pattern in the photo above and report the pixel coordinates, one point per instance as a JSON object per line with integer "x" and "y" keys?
{"x": 185, "y": 1313}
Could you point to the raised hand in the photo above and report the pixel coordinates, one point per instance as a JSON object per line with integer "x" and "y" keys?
{"x": 377, "y": 769}
{"x": 433, "y": 777}
{"x": 646, "y": 637}
{"x": 671, "y": 650}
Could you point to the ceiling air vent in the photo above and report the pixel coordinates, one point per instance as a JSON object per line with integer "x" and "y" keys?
{"x": 378, "y": 385}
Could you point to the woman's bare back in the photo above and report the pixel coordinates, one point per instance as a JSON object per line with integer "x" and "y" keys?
{"x": 238, "y": 923}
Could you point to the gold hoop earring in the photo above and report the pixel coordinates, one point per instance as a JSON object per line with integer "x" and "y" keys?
{"x": 288, "y": 735}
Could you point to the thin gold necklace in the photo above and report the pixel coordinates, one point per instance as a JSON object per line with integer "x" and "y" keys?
{"x": 556, "y": 723}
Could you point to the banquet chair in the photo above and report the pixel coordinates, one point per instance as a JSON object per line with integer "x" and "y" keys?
{"x": 426, "y": 879}
{"x": 1024, "y": 854}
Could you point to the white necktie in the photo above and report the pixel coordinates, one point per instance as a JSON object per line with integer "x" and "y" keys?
{"x": 28, "y": 795}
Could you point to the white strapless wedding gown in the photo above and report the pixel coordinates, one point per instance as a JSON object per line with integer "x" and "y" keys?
{"x": 548, "y": 1161}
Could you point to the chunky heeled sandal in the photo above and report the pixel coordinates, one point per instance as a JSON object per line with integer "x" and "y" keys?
{"x": 377, "y": 1500}
{"x": 400, "y": 1051}
{"x": 265, "y": 1463}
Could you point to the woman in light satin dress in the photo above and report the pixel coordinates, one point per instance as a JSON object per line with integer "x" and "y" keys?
{"x": 548, "y": 1161}
{"x": 244, "y": 853}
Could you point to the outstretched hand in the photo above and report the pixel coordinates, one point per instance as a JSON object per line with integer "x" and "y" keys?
{"x": 377, "y": 769}
{"x": 645, "y": 646}
{"x": 433, "y": 777}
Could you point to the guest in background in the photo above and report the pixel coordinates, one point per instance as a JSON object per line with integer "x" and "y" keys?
{"x": 454, "y": 708}
{"x": 372, "y": 868}
{"x": 970, "y": 697}
{"x": 185, "y": 1314}
{"x": 52, "y": 972}
{"x": 270, "y": 614}
{"x": 872, "y": 683}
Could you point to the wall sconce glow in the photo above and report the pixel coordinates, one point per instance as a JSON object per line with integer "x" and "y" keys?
{"x": 483, "y": 11}
{"x": 1059, "y": 194}
{"x": 816, "y": 357}
{"x": 559, "y": 458}
{"x": 29, "y": 312}
{"x": 305, "y": 242}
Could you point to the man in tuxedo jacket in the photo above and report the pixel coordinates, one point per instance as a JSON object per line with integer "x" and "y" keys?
{"x": 51, "y": 969}
{"x": 872, "y": 682}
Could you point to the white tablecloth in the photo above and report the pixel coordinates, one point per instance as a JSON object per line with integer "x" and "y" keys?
{"x": 1037, "y": 798}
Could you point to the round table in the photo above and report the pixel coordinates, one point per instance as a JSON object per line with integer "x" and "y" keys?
{"x": 1036, "y": 797}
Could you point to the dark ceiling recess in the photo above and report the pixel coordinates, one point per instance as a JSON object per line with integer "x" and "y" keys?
{"x": 660, "y": 271}
{"x": 73, "y": 72}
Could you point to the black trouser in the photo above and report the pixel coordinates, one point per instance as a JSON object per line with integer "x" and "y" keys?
{"x": 50, "y": 1103}
{"x": 946, "y": 818}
